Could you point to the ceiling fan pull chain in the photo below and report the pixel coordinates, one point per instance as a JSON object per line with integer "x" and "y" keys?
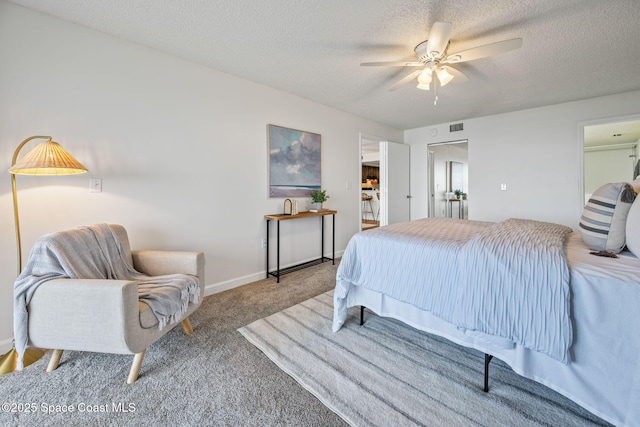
{"x": 435, "y": 91}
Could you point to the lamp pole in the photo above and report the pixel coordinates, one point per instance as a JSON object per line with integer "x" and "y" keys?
{"x": 15, "y": 198}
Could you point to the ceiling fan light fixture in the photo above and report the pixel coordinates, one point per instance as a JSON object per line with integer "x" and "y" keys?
{"x": 443, "y": 76}
{"x": 424, "y": 79}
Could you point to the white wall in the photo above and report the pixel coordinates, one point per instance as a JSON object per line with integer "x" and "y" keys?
{"x": 536, "y": 152}
{"x": 610, "y": 165}
{"x": 181, "y": 150}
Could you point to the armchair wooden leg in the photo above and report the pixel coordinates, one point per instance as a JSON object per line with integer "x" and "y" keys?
{"x": 135, "y": 367}
{"x": 55, "y": 360}
{"x": 186, "y": 325}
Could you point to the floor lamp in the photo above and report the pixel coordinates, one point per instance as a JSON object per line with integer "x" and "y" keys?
{"x": 47, "y": 158}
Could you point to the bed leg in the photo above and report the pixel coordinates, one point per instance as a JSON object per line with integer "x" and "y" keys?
{"x": 487, "y": 360}
{"x": 361, "y": 315}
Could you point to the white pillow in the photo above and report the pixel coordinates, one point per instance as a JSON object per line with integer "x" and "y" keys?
{"x": 604, "y": 218}
{"x": 633, "y": 228}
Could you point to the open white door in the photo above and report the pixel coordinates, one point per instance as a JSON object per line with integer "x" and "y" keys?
{"x": 395, "y": 193}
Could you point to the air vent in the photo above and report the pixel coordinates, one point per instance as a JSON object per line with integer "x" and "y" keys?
{"x": 455, "y": 128}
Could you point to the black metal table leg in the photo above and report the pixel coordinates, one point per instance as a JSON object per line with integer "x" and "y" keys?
{"x": 333, "y": 239}
{"x": 267, "y": 249}
{"x": 278, "y": 253}
{"x": 322, "y": 239}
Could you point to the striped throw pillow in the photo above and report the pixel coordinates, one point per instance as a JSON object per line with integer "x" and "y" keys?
{"x": 604, "y": 218}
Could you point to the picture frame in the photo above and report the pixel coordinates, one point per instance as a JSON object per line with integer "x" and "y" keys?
{"x": 294, "y": 161}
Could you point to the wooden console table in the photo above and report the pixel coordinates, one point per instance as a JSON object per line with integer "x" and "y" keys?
{"x": 281, "y": 217}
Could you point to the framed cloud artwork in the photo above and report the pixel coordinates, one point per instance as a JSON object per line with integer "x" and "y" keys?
{"x": 294, "y": 162}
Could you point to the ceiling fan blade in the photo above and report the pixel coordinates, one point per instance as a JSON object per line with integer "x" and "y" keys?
{"x": 483, "y": 51}
{"x": 391, "y": 64}
{"x": 405, "y": 80}
{"x": 439, "y": 37}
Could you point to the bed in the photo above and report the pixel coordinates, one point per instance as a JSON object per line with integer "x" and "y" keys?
{"x": 576, "y": 334}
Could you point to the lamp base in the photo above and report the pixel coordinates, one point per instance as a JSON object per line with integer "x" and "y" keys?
{"x": 9, "y": 362}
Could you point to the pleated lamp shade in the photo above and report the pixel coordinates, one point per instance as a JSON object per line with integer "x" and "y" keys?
{"x": 48, "y": 158}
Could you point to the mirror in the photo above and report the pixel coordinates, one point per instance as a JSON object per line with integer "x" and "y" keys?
{"x": 611, "y": 153}
{"x": 448, "y": 163}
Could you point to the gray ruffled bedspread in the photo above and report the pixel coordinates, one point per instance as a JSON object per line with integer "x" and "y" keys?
{"x": 509, "y": 279}
{"x": 515, "y": 284}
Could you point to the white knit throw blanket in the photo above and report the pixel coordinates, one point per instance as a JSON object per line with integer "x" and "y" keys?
{"x": 95, "y": 252}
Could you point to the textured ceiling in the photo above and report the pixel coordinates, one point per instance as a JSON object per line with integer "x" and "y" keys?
{"x": 572, "y": 49}
{"x": 626, "y": 132}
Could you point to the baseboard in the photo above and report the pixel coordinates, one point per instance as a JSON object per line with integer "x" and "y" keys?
{"x": 215, "y": 288}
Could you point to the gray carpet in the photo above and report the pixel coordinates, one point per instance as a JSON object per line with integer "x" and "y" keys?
{"x": 214, "y": 377}
{"x": 388, "y": 374}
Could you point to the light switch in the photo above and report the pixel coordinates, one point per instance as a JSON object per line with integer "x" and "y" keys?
{"x": 503, "y": 187}
{"x": 95, "y": 185}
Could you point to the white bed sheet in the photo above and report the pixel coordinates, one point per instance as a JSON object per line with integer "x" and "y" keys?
{"x": 604, "y": 373}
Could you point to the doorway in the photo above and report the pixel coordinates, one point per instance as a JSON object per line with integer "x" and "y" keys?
{"x": 449, "y": 179}
{"x": 611, "y": 153}
{"x": 385, "y": 182}
{"x": 370, "y": 182}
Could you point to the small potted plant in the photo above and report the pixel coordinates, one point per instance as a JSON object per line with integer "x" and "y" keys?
{"x": 318, "y": 197}
{"x": 459, "y": 193}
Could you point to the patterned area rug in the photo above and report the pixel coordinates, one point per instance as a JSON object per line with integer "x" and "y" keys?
{"x": 385, "y": 373}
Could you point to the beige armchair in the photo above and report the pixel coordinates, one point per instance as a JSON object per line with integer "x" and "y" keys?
{"x": 105, "y": 315}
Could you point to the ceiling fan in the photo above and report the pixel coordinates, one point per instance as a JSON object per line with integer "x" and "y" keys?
{"x": 432, "y": 58}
